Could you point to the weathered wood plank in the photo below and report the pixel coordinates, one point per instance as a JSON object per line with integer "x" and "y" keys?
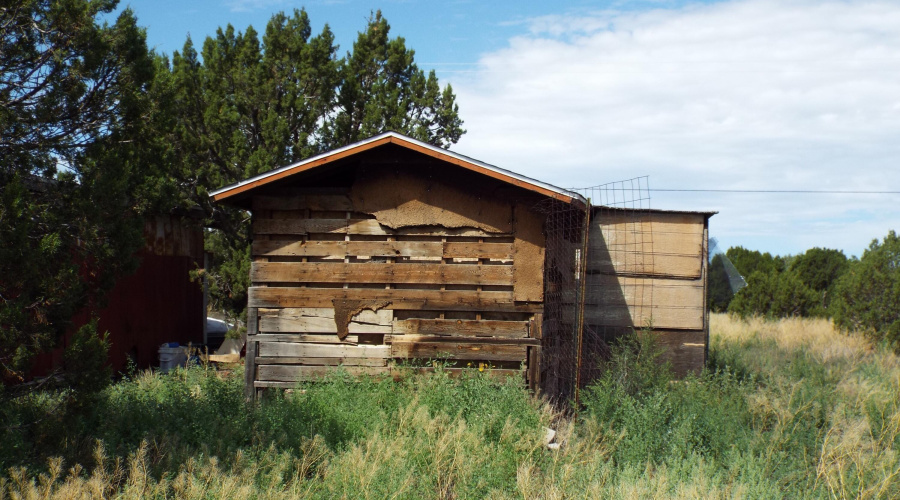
{"x": 250, "y": 356}
{"x": 300, "y": 350}
{"x": 639, "y": 302}
{"x": 320, "y": 202}
{"x": 461, "y": 328}
{"x": 528, "y": 262}
{"x": 288, "y": 360}
{"x": 294, "y": 373}
{"x": 458, "y": 350}
{"x": 657, "y": 244}
{"x": 414, "y": 249}
{"x": 340, "y": 272}
{"x": 357, "y": 226}
{"x": 327, "y": 338}
{"x": 400, "y": 339}
{"x": 321, "y": 320}
{"x": 445, "y": 300}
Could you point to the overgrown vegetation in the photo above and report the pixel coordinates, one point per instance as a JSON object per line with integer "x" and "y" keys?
{"x": 787, "y": 409}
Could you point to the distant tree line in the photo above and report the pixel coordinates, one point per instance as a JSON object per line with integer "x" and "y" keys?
{"x": 857, "y": 293}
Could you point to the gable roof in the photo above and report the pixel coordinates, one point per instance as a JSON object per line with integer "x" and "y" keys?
{"x": 411, "y": 144}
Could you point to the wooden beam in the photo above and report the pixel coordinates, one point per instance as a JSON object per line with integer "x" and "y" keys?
{"x": 338, "y": 272}
{"x": 461, "y": 328}
{"x": 301, "y": 350}
{"x": 414, "y": 249}
{"x": 288, "y": 360}
{"x": 458, "y": 351}
{"x": 447, "y": 300}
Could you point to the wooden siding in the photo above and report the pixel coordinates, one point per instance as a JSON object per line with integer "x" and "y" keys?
{"x": 648, "y": 269}
{"x": 411, "y": 294}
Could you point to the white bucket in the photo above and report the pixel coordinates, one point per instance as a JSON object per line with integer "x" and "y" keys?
{"x": 170, "y": 357}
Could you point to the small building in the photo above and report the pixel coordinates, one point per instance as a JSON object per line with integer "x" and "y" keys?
{"x": 391, "y": 250}
{"x": 158, "y": 303}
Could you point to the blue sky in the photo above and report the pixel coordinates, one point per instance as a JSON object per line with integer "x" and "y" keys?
{"x": 746, "y": 94}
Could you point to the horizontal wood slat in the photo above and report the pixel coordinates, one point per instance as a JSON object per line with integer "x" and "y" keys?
{"x": 357, "y": 226}
{"x": 320, "y": 202}
{"x": 494, "y": 373}
{"x": 294, "y": 373}
{"x": 339, "y": 272}
{"x": 448, "y": 250}
{"x": 321, "y": 320}
{"x": 684, "y": 350}
{"x": 405, "y": 339}
{"x": 445, "y": 300}
{"x": 300, "y": 350}
{"x": 287, "y": 360}
{"x": 461, "y": 328}
{"x": 457, "y": 350}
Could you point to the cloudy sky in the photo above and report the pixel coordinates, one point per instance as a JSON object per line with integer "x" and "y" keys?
{"x": 732, "y": 95}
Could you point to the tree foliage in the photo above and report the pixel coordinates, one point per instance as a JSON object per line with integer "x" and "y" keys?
{"x": 775, "y": 295}
{"x": 719, "y": 292}
{"x": 868, "y": 294}
{"x": 73, "y": 109}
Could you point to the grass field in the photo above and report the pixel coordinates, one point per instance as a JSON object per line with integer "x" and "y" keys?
{"x": 788, "y": 409}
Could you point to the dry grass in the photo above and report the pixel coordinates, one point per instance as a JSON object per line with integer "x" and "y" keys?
{"x": 818, "y": 417}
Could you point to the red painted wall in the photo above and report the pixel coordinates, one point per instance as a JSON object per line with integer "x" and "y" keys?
{"x": 156, "y": 304}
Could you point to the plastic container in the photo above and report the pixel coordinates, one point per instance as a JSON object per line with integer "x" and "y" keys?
{"x": 170, "y": 357}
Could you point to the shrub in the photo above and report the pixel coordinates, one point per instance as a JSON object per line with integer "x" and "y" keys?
{"x": 868, "y": 294}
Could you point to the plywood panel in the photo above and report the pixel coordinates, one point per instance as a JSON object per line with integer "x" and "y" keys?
{"x": 300, "y": 350}
{"x": 415, "y": 249}
{"x": 528, "y": 262}
{"x": 638, "y": 302}
{"x": 461, "y": 328}
{"x": 659, "y": 244}
{"x": 327, "y": 272}
{"x": 458, "y": 351}
{"x": 684, "y": 350}
{"x": 446, "y": 300}
{"x": 321, "y": 320}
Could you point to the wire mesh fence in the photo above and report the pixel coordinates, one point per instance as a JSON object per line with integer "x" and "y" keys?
{"x": 596, "y": 260}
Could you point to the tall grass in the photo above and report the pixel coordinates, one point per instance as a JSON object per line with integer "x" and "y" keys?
{"x": 790, "y": 409}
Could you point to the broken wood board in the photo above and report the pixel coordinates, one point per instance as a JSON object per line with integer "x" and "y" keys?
{"x": 461, "y": 328}
{"x": 357, "y": 226}
{"x": 295, "y": 373}
{"x": 326, "y": 338}
{"x": 321, "y": 320}
{"x": 446, "y": 300}
{"x": 457, "y": 351}
{"x": 415, "y": 249}
{"x": 340, "y": 272}
{"x": 300, "y": 350}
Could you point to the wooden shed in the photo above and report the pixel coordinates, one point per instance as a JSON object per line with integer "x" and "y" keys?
{"x": 393, "y": 250}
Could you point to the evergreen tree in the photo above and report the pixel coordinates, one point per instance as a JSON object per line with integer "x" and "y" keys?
{"x": 248, "y": 106}
{"x": 868, "y": 294}
{"x": 73, "y": 108}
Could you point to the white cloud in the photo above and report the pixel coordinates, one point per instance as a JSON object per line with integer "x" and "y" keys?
{"x": 753, "y": 94}
{"x": 251, "y": 5}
